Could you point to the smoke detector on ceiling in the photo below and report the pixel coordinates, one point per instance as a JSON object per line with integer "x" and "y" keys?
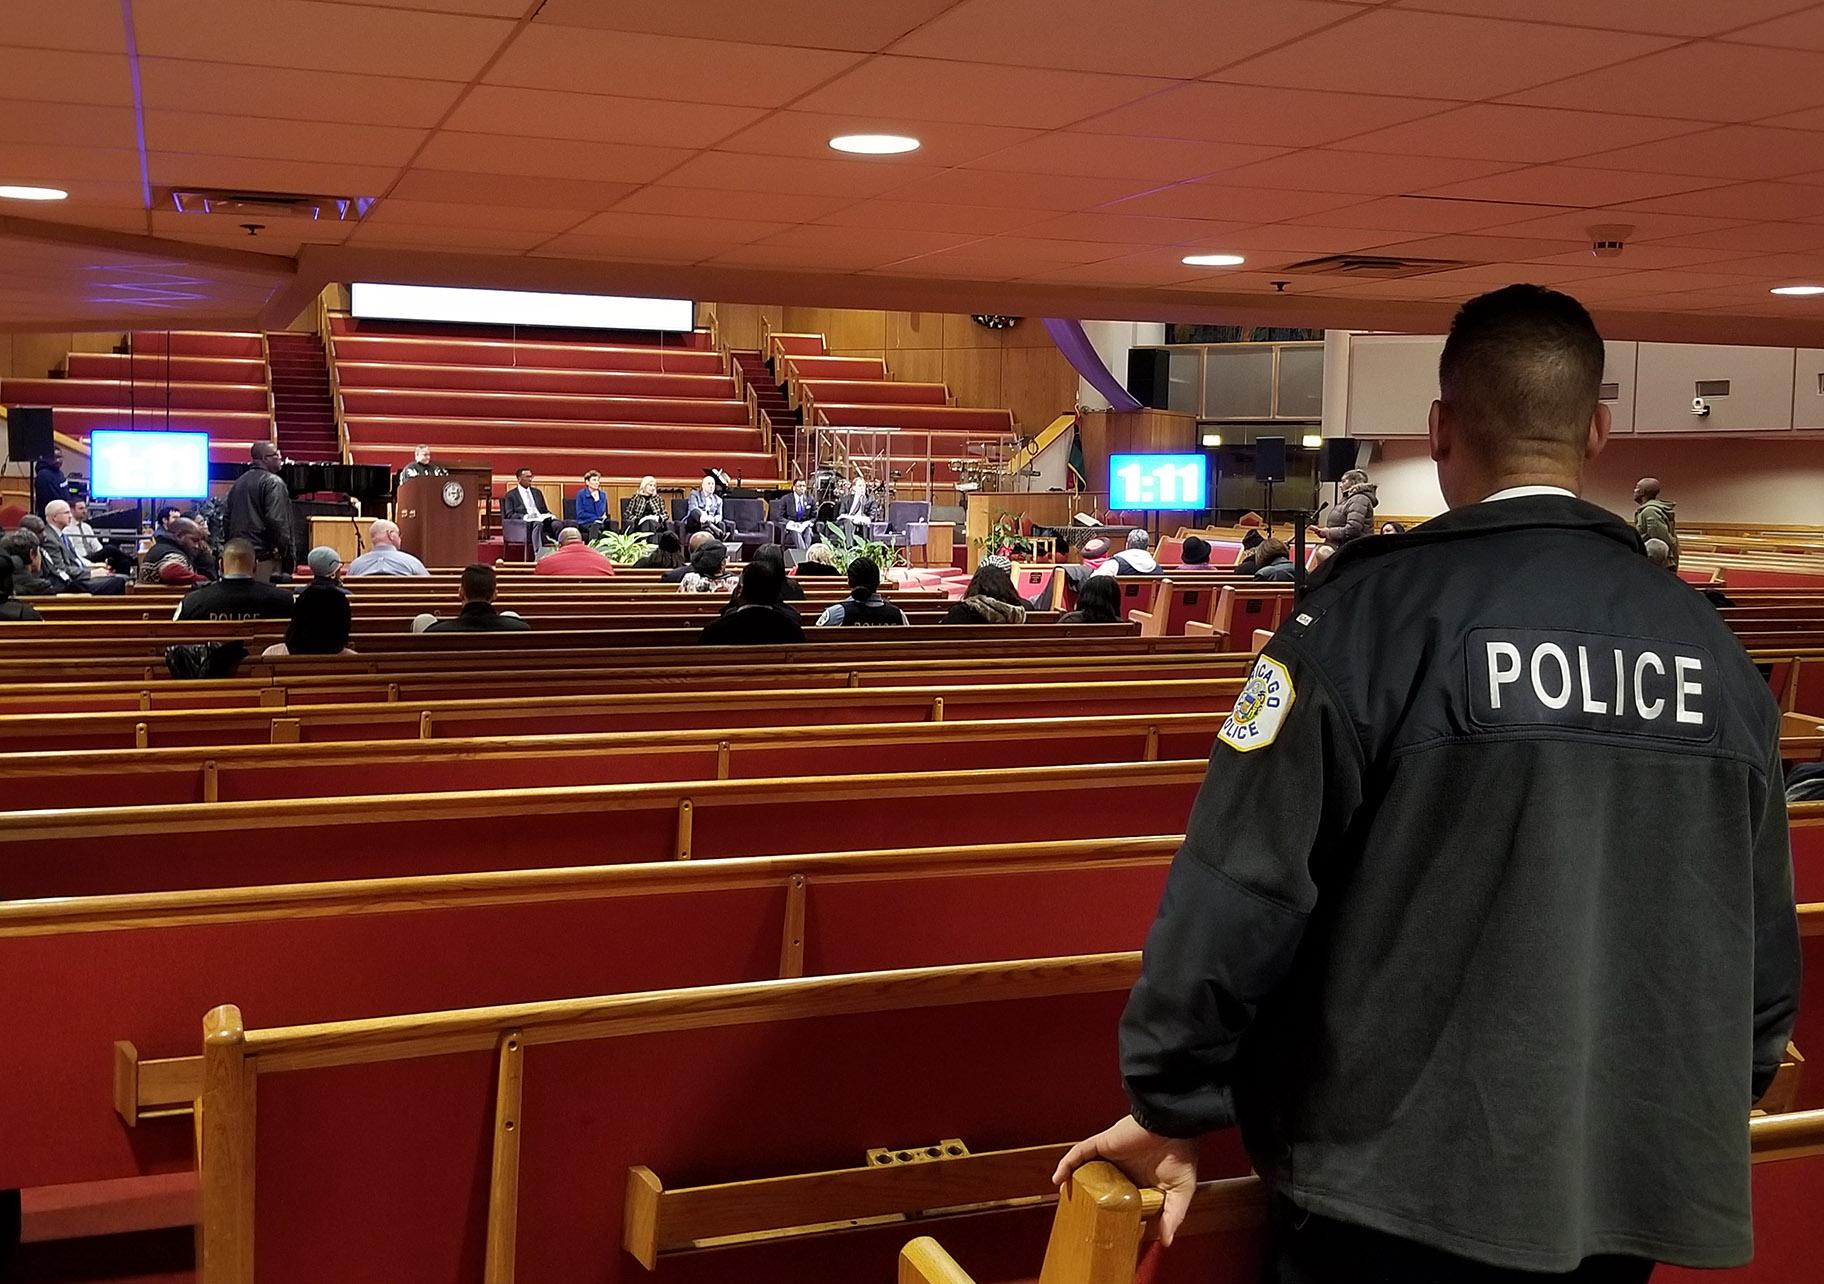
{"x": 1608, "y": 240}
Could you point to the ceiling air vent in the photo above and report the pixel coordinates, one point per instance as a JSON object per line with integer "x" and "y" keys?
{"x": 268, "y": 205}
{"x": 1372, "y": 267}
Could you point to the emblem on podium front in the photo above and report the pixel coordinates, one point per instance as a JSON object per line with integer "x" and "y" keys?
{"x": 452, "y": 493}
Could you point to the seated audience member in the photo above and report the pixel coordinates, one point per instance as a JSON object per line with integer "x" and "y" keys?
{"x": 762, "y": 617}
{"x": 171, "y": 556}
{"x": 703, "y": 510}
{"x": 12, "y": 610}
{"x": 990, "y": 598}
{"x": 1196, "y": 555}
{"x": 326, "y": 567}
{"x": 1247, "y": 561}
{"x": 792, "y": 591}
{"x": 864, "y": 605}
{"x": 708, "y": 571}
{"x": 1392, "y": 528}
{"x": 1659, "y": 552}
{"x": 667, "y": 554}
{"x": 62, "y": 559}
{"x": 698, "y": 542}
{"x": 795, "y": 514}
{"x": 643, "y": 510}
{"x": 385, "y": 557}
{"x": 320, "y": 617}
{"x": 1274, "y": 564}
{"x": 818, "y": 560}
{"x": 1135, "y": 559}
{"x": 478, "y": 614}
{"x": 573, "y": 557}
{"x": 81, "y": 535}
{"x": 237, "y": 595}
{"x": 591, "y": 506}
{"x": 1098, "y": 602}
{"x": 25, "y": 557}
{"x": 1092, "y": 556}
{"x": 168, "y": 514}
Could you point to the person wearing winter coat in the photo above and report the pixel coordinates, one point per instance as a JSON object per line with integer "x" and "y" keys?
{"x": 1654, "y": 518}
{"x": 1354, "y": 516}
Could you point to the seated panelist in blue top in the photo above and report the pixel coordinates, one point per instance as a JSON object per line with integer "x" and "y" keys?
{"x": 591, "y": 505}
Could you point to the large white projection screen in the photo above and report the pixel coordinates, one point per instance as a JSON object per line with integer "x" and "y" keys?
{"x": 518, "y": 307}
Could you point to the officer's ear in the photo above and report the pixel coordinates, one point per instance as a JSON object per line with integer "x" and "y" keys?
{"x": 1600, "y": 423}
{"x": 1438, "y": 429}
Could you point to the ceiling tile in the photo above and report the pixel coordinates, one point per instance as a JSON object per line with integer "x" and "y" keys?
{"x": 185, "y": 169}
{"x": 1495, "y": 131}
{"x": 1757, "y": 202}
{"x": 1152, "y": 37}
{"x": 1647, "y": 226}
{"x": 1288, "y": 242}
{"x": 885, "y": 244}
{"x": 621, "y": 249}
{"x": 1733, "y": 151}
{"x": 55, "y": 76}
{"x": 501, "y": 240}
{"x": 1775, "y": 268}
{"x": 1426, "y": 214}
{"x": 1483, "y": 250}
{"x": 705, "y": 202}
{"x": 1704, "y": 81}
{"x": 393, "y": 210}
{"x": 1762, "y": 238}
{"x": 1803, "y": 30}
{"x": 1208, "y": 235}
{"x": 808, "y": 134}
{"x": 660, "y": 227}
{"x": 319, "y": 36}
{"x": 1320, "y": 170}
{"x": 597, "y": 118}
{"x": 978, "y": 220}
{"x": 49, "y": 165}
{"x": 798, "y": 257}
{"x": 67, "y": 124}
{"x": 1021, "y": 191}
{"x": 508, "y": 189}
{"x": 913, "y": 89}
{"x": 1005, "y": 257}
{"x": 1569, "y": 185}
{"x": 211, "y": 134}
{"x": 95, "y": 193}
{"x": 821, "y": 24}
{"x": 648, "y": 66}
{"x": 1660, "y": 17}
{"x": 1151, "y": 269}
{"x": 91, "y": 25}
{"x": 548, "y": 157}
{"x": 1252, "y": 114}
{"x": 1219, "y": 200}
{"x": 1113, "y": 156}
{"x": 480, "y": 8}
{"x": 1393, "y": 51}
{"x": 793, "y": 175}
{"x": 176, "y": 84}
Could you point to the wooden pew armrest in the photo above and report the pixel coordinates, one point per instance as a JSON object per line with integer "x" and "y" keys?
{"x": 1149, "y": 622}
{"x": 924, "y": 1261}
{"x": 1200, "y": 629}
{"x": 154, "y": 1088}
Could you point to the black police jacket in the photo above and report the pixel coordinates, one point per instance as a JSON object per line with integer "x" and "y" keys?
{"x": 1483, "y": 926}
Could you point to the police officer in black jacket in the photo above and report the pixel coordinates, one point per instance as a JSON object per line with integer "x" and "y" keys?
{"x": 1483, "y": 927}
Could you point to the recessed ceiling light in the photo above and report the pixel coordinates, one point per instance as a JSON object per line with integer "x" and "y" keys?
{"x": 1212, "y": 260}
{"x": 1797, "y": 289}
{"x": 15, "y": 193}
{"x": 874, "y": 144}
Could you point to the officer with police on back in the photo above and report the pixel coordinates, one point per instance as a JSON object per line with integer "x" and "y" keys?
{"x": 1483, "y": 928}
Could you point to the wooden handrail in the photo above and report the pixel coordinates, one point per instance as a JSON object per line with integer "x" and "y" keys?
{"x": 924, "y": 1261}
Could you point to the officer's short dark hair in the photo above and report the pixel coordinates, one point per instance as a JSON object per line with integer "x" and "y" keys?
{"x": 478, "y": 583}
{"x": 864, "y": 575}
{"x": 1521, "y": 373}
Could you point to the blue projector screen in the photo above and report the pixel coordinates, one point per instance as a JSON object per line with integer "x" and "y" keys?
{"x": 1159, "y": 481}
{"x": 148, "y": 465}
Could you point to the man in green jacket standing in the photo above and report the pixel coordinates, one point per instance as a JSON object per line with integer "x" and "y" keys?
{"x": 1654, "y": 518}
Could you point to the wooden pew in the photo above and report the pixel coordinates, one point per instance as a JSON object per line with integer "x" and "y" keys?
{"x": 104, "y": 850}
{"x": 378, "y": 946}
{"x": 239, "y": 773}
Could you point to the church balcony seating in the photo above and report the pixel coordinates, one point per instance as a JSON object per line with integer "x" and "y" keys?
{"x": 427, "y": 402}
{"x": 436, "y": 350}
{"x": 561, "y": 380}
{"x": 196, "y": 343}
{"x": 157, "y": 366}
{"x": 855, "y": 392}
{"x": 796, "y": 368}
{"x": 140, "y": 399}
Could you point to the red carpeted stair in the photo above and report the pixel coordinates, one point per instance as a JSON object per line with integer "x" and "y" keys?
{"x": 301, "y": 401}
{"x": 768, "y": 395}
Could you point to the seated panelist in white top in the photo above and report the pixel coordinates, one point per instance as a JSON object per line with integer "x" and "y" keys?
{"x": 524, "y": 500}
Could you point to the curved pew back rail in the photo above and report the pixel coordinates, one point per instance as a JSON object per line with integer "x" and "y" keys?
{"x": 416, "y": 944}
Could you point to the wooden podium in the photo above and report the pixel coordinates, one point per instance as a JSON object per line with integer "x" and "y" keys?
{"x": 440, "y": 517}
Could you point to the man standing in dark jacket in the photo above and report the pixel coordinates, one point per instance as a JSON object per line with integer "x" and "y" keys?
{"x": 260, "y": 512}
{"x": 1483, "y": 928}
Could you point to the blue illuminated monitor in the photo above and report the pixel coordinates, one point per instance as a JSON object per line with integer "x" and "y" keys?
{"x": 1159, "y": 481}
{"x": 148, "y": 465}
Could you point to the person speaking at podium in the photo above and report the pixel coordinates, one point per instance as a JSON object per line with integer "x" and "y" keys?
{"x": 421, "y": 466}
{"x": 527, "y": 502}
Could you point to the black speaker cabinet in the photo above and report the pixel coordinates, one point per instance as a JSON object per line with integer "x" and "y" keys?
{"x": 1149, "y": 376}
{"x": 1270, "y": 459}
{"x": 1337, "y": 458}
{"x": 28, "y": 433}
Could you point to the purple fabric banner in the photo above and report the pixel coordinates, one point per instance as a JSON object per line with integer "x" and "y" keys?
{"x": 1082, "y": 354}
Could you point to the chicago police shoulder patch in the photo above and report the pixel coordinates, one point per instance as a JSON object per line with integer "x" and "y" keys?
{"x": 1261, "y": 708}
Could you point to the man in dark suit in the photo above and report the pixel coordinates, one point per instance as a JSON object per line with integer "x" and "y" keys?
{"x": 527, "y": 502}
{"x": 795, "y": 515}
{"x": 860, "y": 512}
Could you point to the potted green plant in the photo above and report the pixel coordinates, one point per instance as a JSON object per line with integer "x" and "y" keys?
{"x": 623, "y": 548}
{"x": 845, "y": 548}
{"x": 1004, "y": 538}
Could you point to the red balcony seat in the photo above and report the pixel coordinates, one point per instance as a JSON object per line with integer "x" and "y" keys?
{"x": 230, "y": 432}
{"x": 197, "y": 343}
{"x": 833, "y": 368}
{"x": 526, "y": 405}
{"x": 873, "y": 392}
{"x": 153, "y": 365}
{"x": 509, "y": 352}
{"x": 956, "y": 418}
{"x": 670, "y": 467}
{"x": 568, "y": 381}
{"x": 143, "y": 395}
{"x": 455, "y": 434}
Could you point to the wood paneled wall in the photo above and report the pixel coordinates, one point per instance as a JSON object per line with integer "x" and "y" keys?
{"x": 1020, "y": 369}
{"x": 33, "y": 356}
